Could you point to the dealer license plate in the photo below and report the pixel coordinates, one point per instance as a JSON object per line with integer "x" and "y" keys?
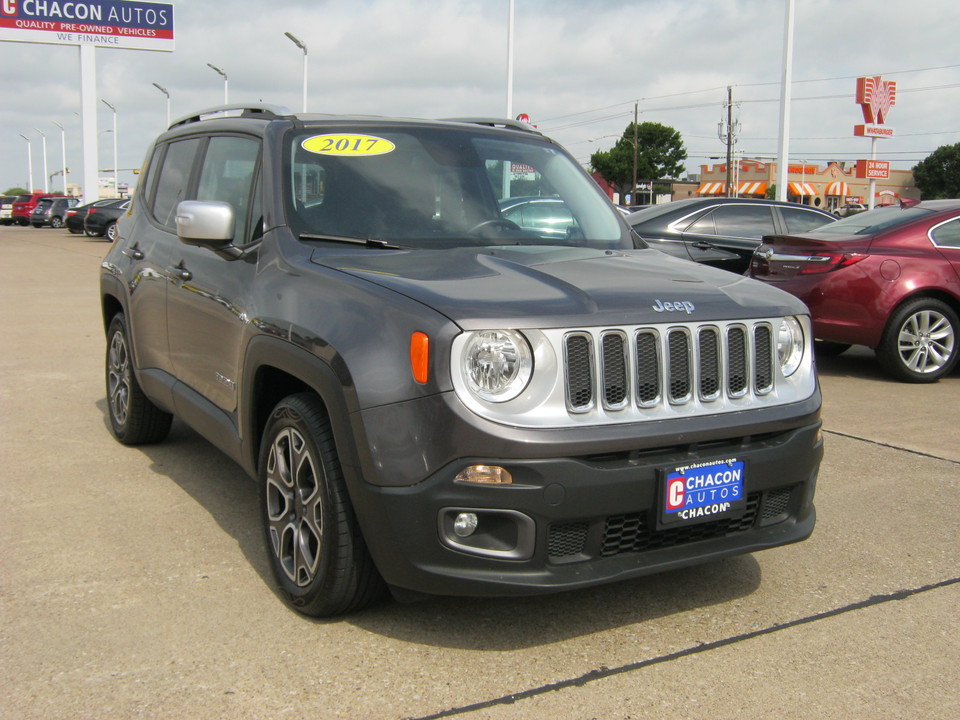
{"x": 701, "y": 492}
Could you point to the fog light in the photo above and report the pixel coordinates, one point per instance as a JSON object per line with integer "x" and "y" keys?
{"x": 485, "y": 475}
{"x": 465, "y": 524}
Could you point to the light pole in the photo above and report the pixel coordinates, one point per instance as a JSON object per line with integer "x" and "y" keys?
{"x": 303, "y": 47}
{"x": 224, "y": 75}
{"x": 510, "y": 62}
{"x": 29, "y": 162}
{"x": 164, "y": 91}
{"x": 46, "y": 179}
{"x": 63, "y": 153}
{"x": 116, "y": 165}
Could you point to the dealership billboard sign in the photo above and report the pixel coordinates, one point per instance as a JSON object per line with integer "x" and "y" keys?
{"x": 101, "y": 23}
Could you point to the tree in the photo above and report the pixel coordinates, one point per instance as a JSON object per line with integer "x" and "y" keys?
{"x": 17, "y": 191}
{"x": 938, "y": 176}
{"x": 660, "y": 154}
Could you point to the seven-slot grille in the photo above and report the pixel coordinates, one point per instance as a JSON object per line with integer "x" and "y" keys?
{"x": 653, "y": 366}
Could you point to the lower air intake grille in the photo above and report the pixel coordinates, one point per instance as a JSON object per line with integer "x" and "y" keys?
{"x": 634, "y": 532}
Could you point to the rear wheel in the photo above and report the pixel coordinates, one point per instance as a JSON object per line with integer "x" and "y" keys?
{"x": 56, "y": 222}
{"x": 313, "y": 541}
{"x": 920, "y": 341}
{"x": 133, "y": 418}
{"x": 112, "y": 232}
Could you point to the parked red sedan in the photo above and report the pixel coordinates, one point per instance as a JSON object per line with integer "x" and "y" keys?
{"x": 888, "y": 278}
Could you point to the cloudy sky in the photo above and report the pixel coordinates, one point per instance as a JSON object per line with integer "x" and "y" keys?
{"x": 580, "y": 65}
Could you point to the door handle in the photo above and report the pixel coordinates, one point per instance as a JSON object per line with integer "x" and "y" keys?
{"x": 134, "y": 253}
{"x": 182, "y": 273}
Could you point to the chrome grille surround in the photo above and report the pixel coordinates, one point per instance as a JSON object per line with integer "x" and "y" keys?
{"x": 614, "y": 375}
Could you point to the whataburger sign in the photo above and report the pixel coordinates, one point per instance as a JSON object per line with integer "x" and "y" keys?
{"x": 875, "y": 96}
{"x": 102, "y": 23}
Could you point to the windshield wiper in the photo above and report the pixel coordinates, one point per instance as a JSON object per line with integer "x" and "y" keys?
{"x": 366, "y": 242}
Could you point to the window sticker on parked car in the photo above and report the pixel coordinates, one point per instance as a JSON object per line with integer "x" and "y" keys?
{"x": 348, "y": 144}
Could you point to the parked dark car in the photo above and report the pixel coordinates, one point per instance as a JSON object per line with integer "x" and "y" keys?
{"x": 6, "y": 209}
{"x": 888, "y": 278}
{"x": 51, "y": 211}
{"x": 547, "y": 216}
{"x": 24, "y": 206}
{"x": 722, "y": 232}
{"x": 102, "y": 219}
{"x": 430, "y": 397}
{"x": 76, "y": 215}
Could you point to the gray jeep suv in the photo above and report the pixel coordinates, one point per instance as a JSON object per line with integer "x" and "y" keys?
{"x": 431, "y": 398}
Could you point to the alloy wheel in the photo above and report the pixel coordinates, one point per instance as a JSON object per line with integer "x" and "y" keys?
{"x": 118, "y": 378}
{"x": 926, "y": 341}
{"x": 294, "y": 506}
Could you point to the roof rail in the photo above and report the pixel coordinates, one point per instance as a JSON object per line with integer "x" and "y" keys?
{"x": 497, "y": 122}
{"x": 255, "y": 110}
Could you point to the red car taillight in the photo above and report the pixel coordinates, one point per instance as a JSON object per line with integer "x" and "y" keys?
{"x": 827, "y": 262}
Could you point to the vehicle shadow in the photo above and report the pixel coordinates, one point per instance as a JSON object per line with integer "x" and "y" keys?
{"x": 223, "y": 489}
{"x": 861, "y": 362}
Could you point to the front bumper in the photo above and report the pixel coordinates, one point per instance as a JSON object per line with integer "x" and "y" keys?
{"x": 571, "y": 522}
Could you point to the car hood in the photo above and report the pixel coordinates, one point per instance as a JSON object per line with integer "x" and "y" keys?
{"x": 562, "y": 287}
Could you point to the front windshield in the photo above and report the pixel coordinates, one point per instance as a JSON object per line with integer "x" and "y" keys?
{"x": 874, "y": 221}
{"x": 441, "y": 187}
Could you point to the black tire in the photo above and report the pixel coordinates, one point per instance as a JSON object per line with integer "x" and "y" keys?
{"x": 825, "y": 348}
{"x": 314, "y": 545}
{"x": 112, "y": 232}
{"x": 74, "y": 231}
{"x": 56, "y": 222}
{"x": 921, "y": 341}
{"x": 91, "y": 233}
{"x": 134, "y": 420}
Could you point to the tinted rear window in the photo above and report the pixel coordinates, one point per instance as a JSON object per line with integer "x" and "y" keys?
{"x": 875, "y": 221}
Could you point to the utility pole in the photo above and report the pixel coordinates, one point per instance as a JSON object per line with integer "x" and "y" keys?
{"x": 727, "y": 132}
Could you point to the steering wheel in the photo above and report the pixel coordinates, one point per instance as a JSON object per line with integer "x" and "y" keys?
{"x": 495, "y": 222}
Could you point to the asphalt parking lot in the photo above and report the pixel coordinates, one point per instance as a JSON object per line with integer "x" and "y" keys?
{"x": 133, "y": 582}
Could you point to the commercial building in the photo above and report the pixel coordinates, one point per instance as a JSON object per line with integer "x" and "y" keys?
{"x": 826, "y": 188}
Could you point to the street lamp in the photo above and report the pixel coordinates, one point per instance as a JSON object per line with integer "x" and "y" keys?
{"x": 46, "y": 180}
{"x": 510, "y": 61}
{"x": 29, "y": 161}
{"x": 303, "y": 47}
{"x": 224, "y": 75}
{"x": 63, "y": 153}
{"x": 164, "y": 91}
{"x": 116, "y": 165}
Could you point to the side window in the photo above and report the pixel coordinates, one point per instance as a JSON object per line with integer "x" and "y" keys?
{"x": 746, "y": 221}
{"x": 172, "y": 180}
{"x": 703, "y": 225}
{"x": 798, "y": 220}
{"x": 228, "y": 175}
{"x": 947, "y": 235}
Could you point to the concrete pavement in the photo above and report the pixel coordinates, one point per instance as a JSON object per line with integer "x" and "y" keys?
{"x": 133, "y": 582}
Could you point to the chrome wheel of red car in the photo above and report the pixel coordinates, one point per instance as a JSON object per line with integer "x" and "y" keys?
{"x": 920, "y": 343}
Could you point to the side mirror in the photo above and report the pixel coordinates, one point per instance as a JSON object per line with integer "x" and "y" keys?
{"x": 205, "y": 224}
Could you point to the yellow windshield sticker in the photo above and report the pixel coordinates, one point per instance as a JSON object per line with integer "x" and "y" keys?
{"x": 348, "y": 144}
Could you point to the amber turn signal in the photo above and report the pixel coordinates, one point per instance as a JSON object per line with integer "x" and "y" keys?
{"x": 420, "y": 356}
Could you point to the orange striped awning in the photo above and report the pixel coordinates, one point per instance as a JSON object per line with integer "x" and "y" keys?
{"x": 838, "y": 189}
{"x": 752, "y": 188}
{"x": 712, "y": 188}
{"x": 803, "y": 189}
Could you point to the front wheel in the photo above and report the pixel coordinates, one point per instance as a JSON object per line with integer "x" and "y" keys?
{"x": 56, "y": 222}
{"x": 133, "y": 418}
{"x": 316, "y": 551}
{"x": 112, "y": 232}
{"x": 920, "y": 342}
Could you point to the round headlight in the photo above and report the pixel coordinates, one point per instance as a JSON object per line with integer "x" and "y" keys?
{"x": 789, "y": 345}
{"x": 497, "y": 364}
